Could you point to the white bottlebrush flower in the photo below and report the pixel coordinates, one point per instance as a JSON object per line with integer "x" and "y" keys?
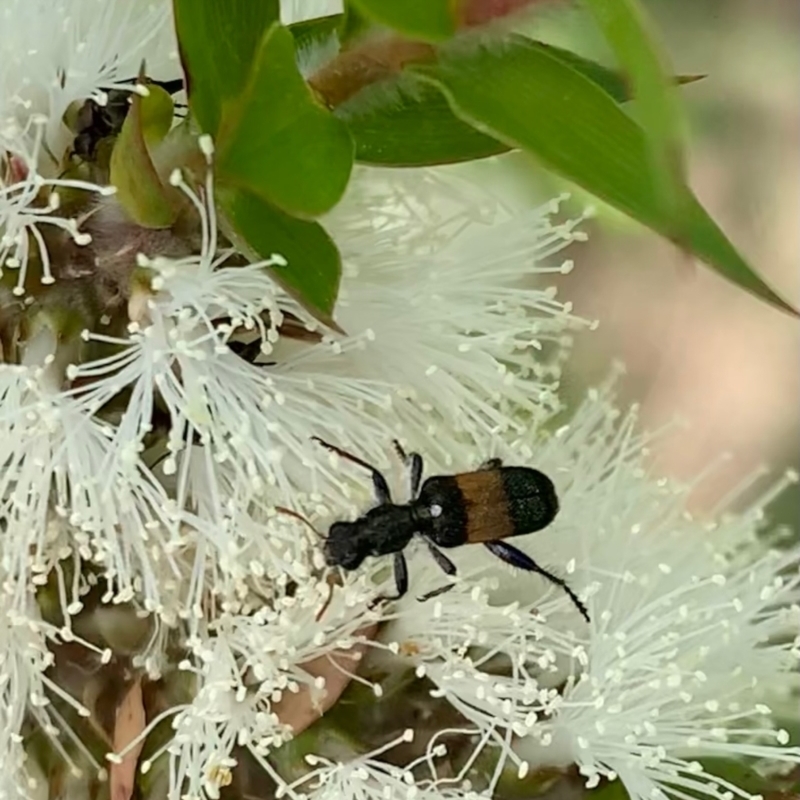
{"x": 693, "y": 627}
{"x": 27, "y": 689}
{"x": 299, "y": 10}
{"x": 253, "y": 421}
{"x": 233, "y": 424}
{"x": 239, "y": 440}
{"x": 444, "y": 304}
{"x": 371, "y": 776}
{"x": 410, "y": 355}
{"x": 22, "y": 209}
{"x": 244, "y": 666}
{"x": 178, "y": 348}
{"x": 452, "y": 345}
{"x": 73, "y": 50}
{"x": 58, "y": 460}
{"x": 364, "y": 776}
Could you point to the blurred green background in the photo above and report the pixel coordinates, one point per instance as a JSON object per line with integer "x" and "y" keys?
{"x": 693, "y": 345}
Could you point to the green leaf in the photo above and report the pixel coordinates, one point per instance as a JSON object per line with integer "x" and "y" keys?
{"x": 626, "y": 29}
{"x": 217, "y": 42}
{"x": 259, "y": 230}
{"x": 615, "y": 790}
{"x": 792, "y": 726}
{"x": 139, "y": 189}
{"x": 345, "y": 26}
{"x": 736, "y": 772}
{"x": 733, "y": 771}
{"x": 613, "y": 82}
{"x": 407, "y": 123}
{"x": 428, "y": 20}
{"x": 278, "y": 142}
{"x": 526, "y": 98}
{"x": 353, "y": 24}
{"x": 410, "y": 127}
{"x": 157, "y": 111}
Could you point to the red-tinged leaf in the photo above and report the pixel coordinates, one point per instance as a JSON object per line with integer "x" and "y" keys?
{"x": 129, "y": 723}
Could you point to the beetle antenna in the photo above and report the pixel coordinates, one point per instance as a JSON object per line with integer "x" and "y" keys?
{"x": 379, "y": 485}
{"x": 327, "y": 602}
{"x": 296, "y": 515}
{"x": 343, "y": 453}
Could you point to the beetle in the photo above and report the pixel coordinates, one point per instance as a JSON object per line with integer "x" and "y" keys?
{"x": 486, "y": 506}
{"x": 94, "y": 122}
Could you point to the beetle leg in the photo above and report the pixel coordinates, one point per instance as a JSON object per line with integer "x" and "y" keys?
{"x": 436, "y": 592}
{"x": 414, "y": 463}
{"x": 511, "y": 555}
{"x": 400, "y": 575}
{"x": 491, "y": 463}
{"x": 441, "y": 559}
{"x": 400, "y": 579}
{"x": 447, "y": 566}
{"x": 379, "y": 485}
{"x": 415, "y": 472}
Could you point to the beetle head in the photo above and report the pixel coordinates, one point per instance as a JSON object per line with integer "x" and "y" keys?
{"x": 343, "y": 547}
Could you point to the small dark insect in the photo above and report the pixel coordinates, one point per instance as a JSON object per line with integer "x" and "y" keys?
{"x": 250, "y": 351}
{"x": 291, "y": 327}
{"x": 486, "y": 506}
{"x": 95, "y": 122}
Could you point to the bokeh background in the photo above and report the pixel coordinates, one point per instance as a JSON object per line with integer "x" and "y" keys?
{"x": 694, "y": 345}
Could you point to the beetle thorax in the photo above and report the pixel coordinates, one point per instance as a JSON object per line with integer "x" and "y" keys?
{"x": 387, "y": 529}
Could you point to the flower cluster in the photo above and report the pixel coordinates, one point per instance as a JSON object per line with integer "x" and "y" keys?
{"x": 160, "y": 396}
{"x": 693, "y": 632}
